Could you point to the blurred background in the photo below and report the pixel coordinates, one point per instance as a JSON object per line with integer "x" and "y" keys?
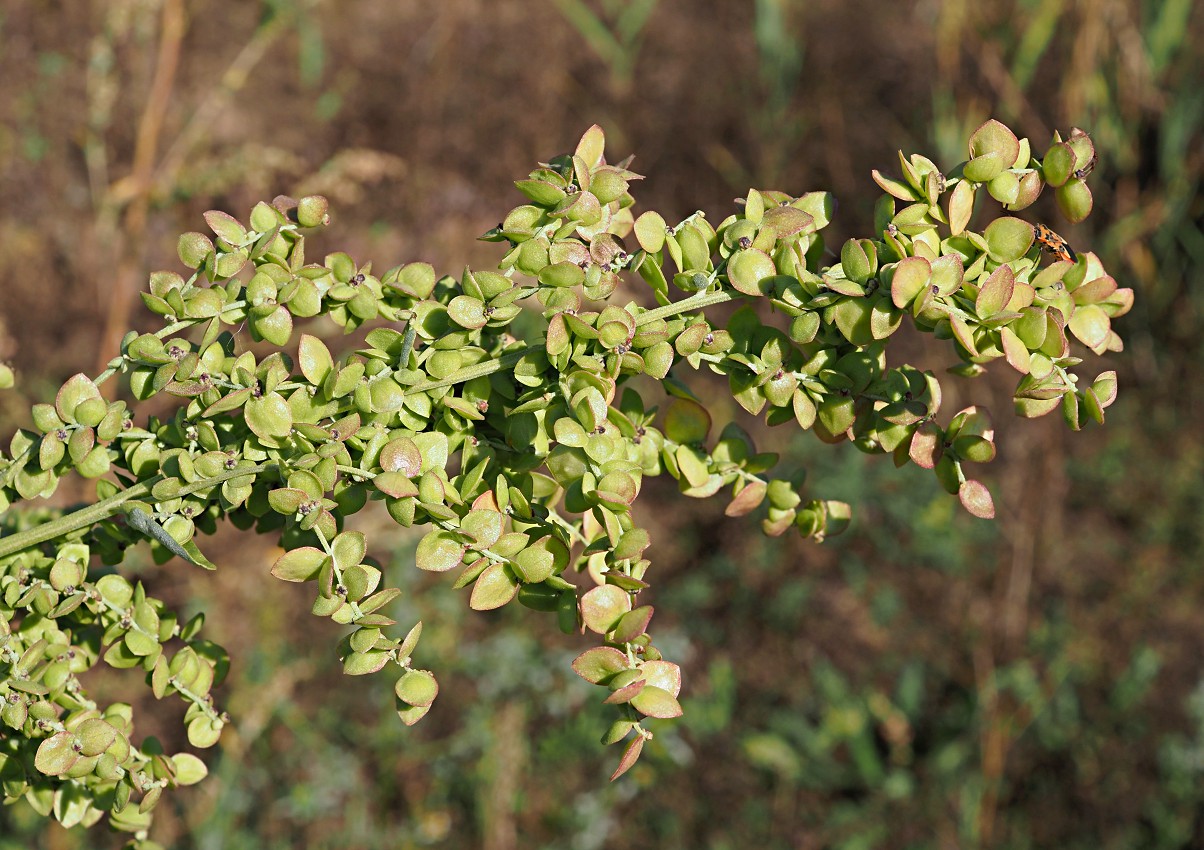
{"x": 928, "y": 680}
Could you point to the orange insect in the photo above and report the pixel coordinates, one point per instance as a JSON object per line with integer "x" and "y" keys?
{"x": 1054, "y": 244}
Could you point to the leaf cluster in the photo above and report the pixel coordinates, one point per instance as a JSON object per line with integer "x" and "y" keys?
{"x": 500, "y": 412}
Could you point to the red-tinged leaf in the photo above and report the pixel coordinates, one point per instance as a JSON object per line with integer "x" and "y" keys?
{"x": 602, "y": 607}
{"x": 964, "y": 335}
{"x": 411, "y": 714}
{"x": 626, "y": 693}
{"x": 633, "y": 624}
{"x": 630, "y": 756}
{"x": 663, "y": 674}
{"x": 911, "y": 276}
{"x": 976, "y": 498}
{"x": 995, "y": 292}
{"x": 1014, "y": 350}
{"x": 926, "y": 445}
{"x": 485, "y": 502}
{"x": 995, "y": 137}
{"x": 894, "y": 187}
{"x": 748, "y": 499}
{"x": 493, "y": 588}
{"x": 1104, "y": 388}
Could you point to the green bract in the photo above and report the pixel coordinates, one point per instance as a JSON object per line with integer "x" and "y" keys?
{"x": 519, "y": 449}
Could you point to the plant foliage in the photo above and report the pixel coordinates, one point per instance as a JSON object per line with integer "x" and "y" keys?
{"x": 502, "y": 412}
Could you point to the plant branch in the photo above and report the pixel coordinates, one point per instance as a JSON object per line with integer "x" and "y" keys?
{"x": 105, "y": 508}
{"x": 686, "y": 305}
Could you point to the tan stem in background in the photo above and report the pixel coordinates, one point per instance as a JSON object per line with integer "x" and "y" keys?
{"x": 127, "y": 278}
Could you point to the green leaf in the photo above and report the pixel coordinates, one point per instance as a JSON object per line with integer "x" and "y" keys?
{"x": 662, "y": 674}
{"x": 857, "y": 263}
{"x": 417, "y": 687}
{"x": 348, "y": 549}
{"x": 286, "y": 500}
{"x": 189, "y": 769}
{"x": 264, "y": 217}
{"x": 1074, "y": 200}
{"x": 541, "y": 192}
{"x": 853, "y": 318}
{"x": 469, "y": 312}
{"x": 656, "y": 702}
{"x": 618, "y": 489}
{"x": 364, "y": 663}
{"x": 411, "y": 714}
{"x": 269, "y": 416}
{"x": 982, "y": 169}
{"x": 226, "y": 227}
{"x": 1090, "y": 325}
{"x": 299, "y": 564}
{"x": 79, "y": 388}
{"x": 1008, "y": 239}
{"x": 591, "y": 146}
{"x": 961, "y": 206}
{"x": 204, "y": 731}
{"x": 993, "y": 137}
{"x": 312, "y": 211}
{"x": 193, "y": 249}
{"x": 563, "y": 274}
{"x": 439, "y": 551}
{"x": 314, "y": 359}
{"x": 276, "y": 327}
{"x": 395, "y": 484}
{"x": 56, "y": 754}
{"x": 95, "y": 736}
{"x": 836, "y": 413}
{"x": 632, "y": 544}
{"x": 1104, "y": 388}
{"x": 747, "y": 268}
{"x": 541, "y": 560}
{"x": 650, "y": 230}
{"x": 687, "y": 422}
{"x": 1058, "y": 164}
{"x": 416, "y": 279}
